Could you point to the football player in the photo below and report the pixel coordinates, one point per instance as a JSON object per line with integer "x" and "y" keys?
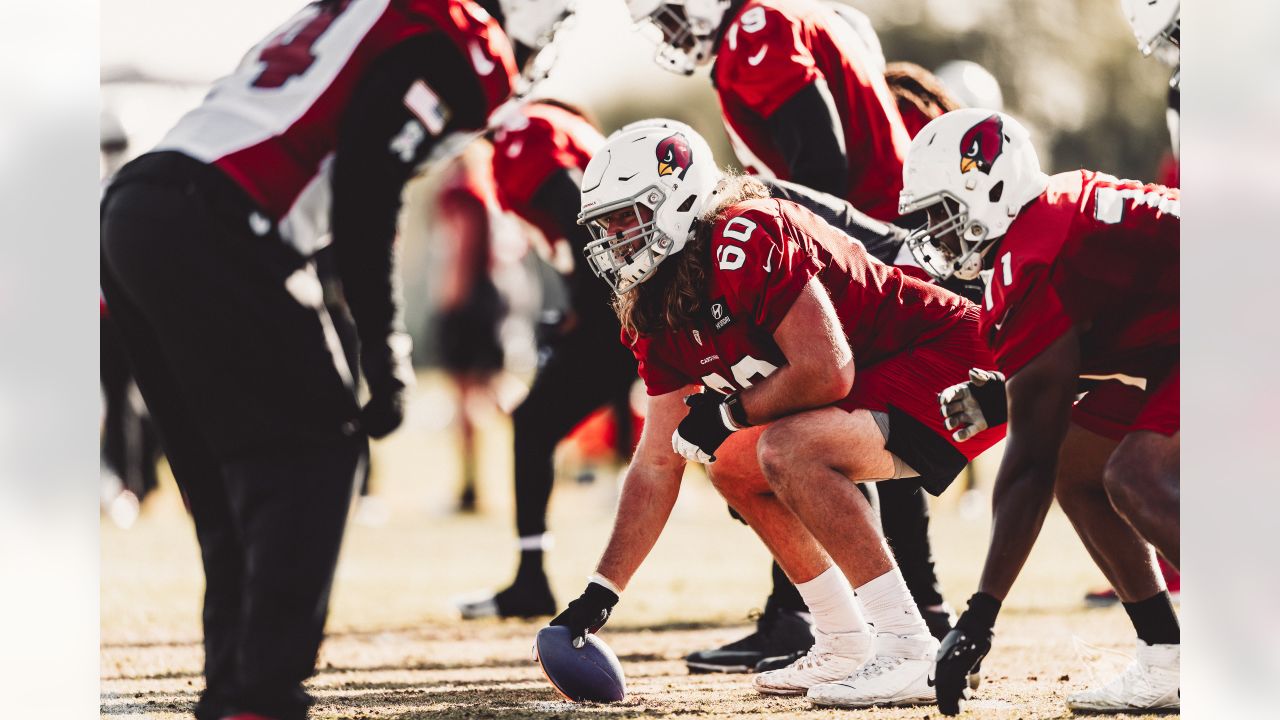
{"x": 206, "y": 247}
{"x": 803, "y": 95}
{"x": 765, "y": 306}
{"x": 539, "y": 155}
{"x": 1081, "y": 275}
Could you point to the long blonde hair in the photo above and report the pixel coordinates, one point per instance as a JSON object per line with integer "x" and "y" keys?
{"x": 673, "y": 297}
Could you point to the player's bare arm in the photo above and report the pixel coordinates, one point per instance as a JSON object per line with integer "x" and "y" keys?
{"x": 819, "y": 369}
{"x": 1040, "y": 397}
{"x": 649, "y": 491}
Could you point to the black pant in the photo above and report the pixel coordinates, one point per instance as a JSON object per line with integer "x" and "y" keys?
{"x": 904, "y": 515}
{"x": 258, "y": 421}
{"x": 585, "y": 369}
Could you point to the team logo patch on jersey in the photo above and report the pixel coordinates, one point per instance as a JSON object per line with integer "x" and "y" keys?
{"x": 674, "y": 156}
{"x": 720, "y": 317}
{"x": 981, "y": 145}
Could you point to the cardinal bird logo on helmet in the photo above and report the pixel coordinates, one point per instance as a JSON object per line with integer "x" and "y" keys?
{"x": 674, "y": 156}
{"x": 981, "y": 145}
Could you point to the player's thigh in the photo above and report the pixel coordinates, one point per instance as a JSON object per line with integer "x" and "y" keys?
{"x": 847, "y": 441}
{"x": 1145, "y": 461}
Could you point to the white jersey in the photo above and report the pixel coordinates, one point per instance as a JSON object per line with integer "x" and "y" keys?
{"x": 272, "y": 125}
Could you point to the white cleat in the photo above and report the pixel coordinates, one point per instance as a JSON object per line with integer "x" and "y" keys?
{"x": 833, "y": 656}
{"x": 899, "y": 674}
{"x": 1150, "y": 682}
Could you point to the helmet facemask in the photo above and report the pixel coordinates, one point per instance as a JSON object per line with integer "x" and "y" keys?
{"x": 683, "y": 43}
{"x": 626, "y": 258}
{"x": 928, "y": 245}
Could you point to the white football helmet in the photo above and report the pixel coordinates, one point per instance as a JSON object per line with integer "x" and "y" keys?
{"x": 533, "y": 23}
{"x": 1155, "y": 26}
{"x": 970, "y": 84}
{"x": 979, "y": 168}
{"x": 667, "y": 177}
{"x": 535, "y": 28}
{"x": 687, "y": 30}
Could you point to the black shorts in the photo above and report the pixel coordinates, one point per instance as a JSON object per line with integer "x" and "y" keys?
{"x": 469, "y": 337}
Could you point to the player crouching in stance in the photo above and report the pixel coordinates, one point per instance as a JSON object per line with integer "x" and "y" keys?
{"x": 1081, "y": 275}
{"x": 766, "y": 307}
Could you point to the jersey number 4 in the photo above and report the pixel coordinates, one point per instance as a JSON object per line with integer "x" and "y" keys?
{"x": 289, "y": 53}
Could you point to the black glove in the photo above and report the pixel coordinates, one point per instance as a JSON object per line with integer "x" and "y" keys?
{"x": 703, "y": 430}
{"x": 588, "y": 613}
{"x": 962, "y": 651}
{"x": 389, "y": 375}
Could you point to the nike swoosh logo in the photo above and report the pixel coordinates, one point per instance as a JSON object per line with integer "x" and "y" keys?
{"x": 755, "y": 59}
{"x": 624, "y": 179}
{"x": 483, "y": 64}
{"x": 1002, "y": 319}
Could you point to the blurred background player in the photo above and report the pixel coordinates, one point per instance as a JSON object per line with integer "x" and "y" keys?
{"x": 746, "y": 309}
{"x": 206, "y": 246}
{"x": 804, "y": 97}
{"x": 539, "y": 151}
{"x": 471, "y": 306}
{"x": 1081, "y": 272}
{"x": 130, "y": 445}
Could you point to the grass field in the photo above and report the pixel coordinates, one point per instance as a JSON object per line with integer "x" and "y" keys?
{"x": 396, "y": 650}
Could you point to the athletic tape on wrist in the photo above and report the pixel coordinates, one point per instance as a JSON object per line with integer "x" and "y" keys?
{"x": 599, "y": 579}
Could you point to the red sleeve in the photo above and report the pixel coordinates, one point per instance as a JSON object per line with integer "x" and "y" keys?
{"x": 765, "y": 60}
{"x": 761, "y": 267}
{"x": 1122, "y": 244}
{"x": 524, "y": 157}
{"x": 659, "y": 377}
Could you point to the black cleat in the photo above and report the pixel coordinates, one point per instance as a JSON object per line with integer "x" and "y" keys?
{"x": 524, "y": 599}
{"x": 939, "y": 620}
{"x": 778, "y": 662}
{"x": 778, "y": 632}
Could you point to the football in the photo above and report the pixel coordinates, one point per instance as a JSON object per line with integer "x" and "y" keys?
{"x": 589, "y": 673}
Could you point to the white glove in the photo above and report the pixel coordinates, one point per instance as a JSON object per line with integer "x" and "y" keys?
{"x": 688, "y": 450}
{"x": 963, "y": 404}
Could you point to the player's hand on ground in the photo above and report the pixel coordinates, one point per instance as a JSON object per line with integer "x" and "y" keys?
{"x": 962, "y": 652}
{"x": 389, "y": 375}
{"x": 971, "y": 407}
{"x": 703, "y": 430}
{"x": 588, "y": 613}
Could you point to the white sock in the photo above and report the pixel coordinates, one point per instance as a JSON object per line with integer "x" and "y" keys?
{"x": 890, "y": 607}
{"x": 831, "y": 601}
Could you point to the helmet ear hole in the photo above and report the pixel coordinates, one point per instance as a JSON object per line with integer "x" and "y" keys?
{"x": 997, "y": 190}
{"x": 688, "y": 203}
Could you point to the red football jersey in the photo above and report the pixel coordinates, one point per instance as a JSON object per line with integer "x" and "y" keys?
{"x": 773, "y": 49}
{"x": 272, "y": 125}
{"x": 762, "y": 255}
{"x": 537, "y": 143}
{"x": 1095, "y": 252}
